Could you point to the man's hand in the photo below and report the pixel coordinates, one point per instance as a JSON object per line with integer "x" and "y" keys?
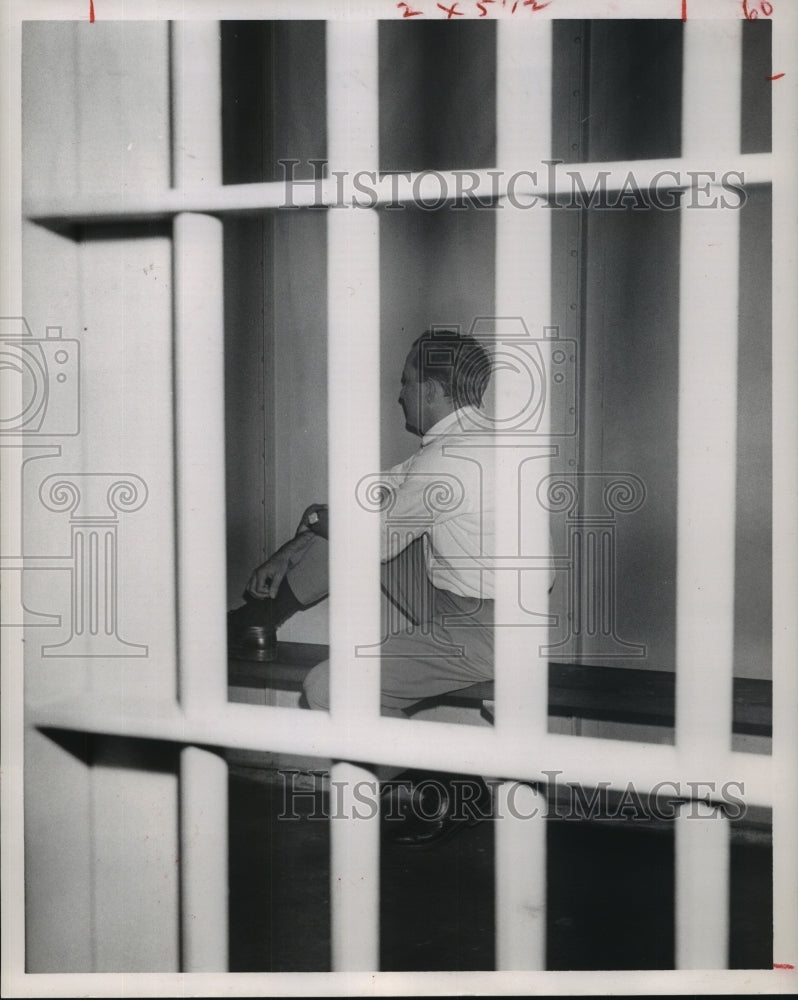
{"x": 266, "y": 579}
{"x": 315, "y": 519}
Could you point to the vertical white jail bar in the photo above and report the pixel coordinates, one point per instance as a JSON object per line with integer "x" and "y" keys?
{"x": 521, "y": 874}
{"x": 199, "y": 350}
{"x": 199, "y": 445}
{"x": 353, "y": 319}
{"x": 355, "y": 869}
{"x": 353, "y": 324}
{"x": 702, "y": 887}
{"x": 199, "y": 433}
{"x": 708, "y": 306}
{"x": 523, "y": 289}
{"x": 196, "y": 103}
{"x": 204, "y": 854}
{"x": 709, "y": 264}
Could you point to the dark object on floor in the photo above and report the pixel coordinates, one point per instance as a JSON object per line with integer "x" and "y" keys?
{"x": 419, "y": 808}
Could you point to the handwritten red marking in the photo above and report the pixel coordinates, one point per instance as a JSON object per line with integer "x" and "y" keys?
{"x": 778, "y": 76}
{"x": 91, "y": 11}
{"x": 752, "y": 13}
{"x": 684, "y": 10}
{"x": 783, "y": 965}
{"x": 453, "y": 9}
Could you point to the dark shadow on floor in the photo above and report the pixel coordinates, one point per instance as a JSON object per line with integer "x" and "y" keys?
{"x": 610, "y": 902}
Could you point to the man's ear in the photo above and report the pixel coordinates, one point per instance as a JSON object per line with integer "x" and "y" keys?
{"x": 430, "y": 388}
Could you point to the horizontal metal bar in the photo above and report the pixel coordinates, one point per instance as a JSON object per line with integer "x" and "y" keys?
{"x": 617, "y": 982}
{"x": 35, "y": 562}
{"x": 543, "y": 181}
{"x": 443, "y": 746}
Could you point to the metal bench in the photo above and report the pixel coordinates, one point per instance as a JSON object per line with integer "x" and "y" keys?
{"x": 587, "y": 691}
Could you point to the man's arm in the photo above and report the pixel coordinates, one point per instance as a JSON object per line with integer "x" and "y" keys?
{"x": 315, "y": 519}
{"x": 408, "y": 514}
{"x": 266, "y": 579}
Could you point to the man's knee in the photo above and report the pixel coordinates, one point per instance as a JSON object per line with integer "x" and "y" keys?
{"x": 316, "y": 687}
{"x": 309, "y": 577}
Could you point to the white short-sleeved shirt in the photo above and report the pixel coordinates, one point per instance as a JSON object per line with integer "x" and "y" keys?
{"x": 445, "y": 493}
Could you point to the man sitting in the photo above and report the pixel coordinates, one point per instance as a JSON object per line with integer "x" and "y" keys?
{"x": 437, "y": 542}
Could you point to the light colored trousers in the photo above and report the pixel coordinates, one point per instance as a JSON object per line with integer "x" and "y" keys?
{"x": 433, "y": 642}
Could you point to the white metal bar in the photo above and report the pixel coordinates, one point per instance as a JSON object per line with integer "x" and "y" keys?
{"x": 199, "y": 430}
{"x": 458, "y": 748}
{"x": 353, "y": 327}
{"x": 352, "y": 96}
{"x": 353, "y": 331}
{"x": 523, "y": 290}
{"x": 199, "y": 422}
{"x": 710, "y": 100}
{"x": 199, "y": 369}
{"x": 785, "y": 487}
{"x": 354, "y": 868}
{"x": 708, "y": 309}
{"x": 203, "y": 860}
{"x": 520, "y": 877}
{"x": 196, "y": 104}
{"x": 702, "y": 887}
{"x": 533, "y": 180}
{"x": 353, "y": 317}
